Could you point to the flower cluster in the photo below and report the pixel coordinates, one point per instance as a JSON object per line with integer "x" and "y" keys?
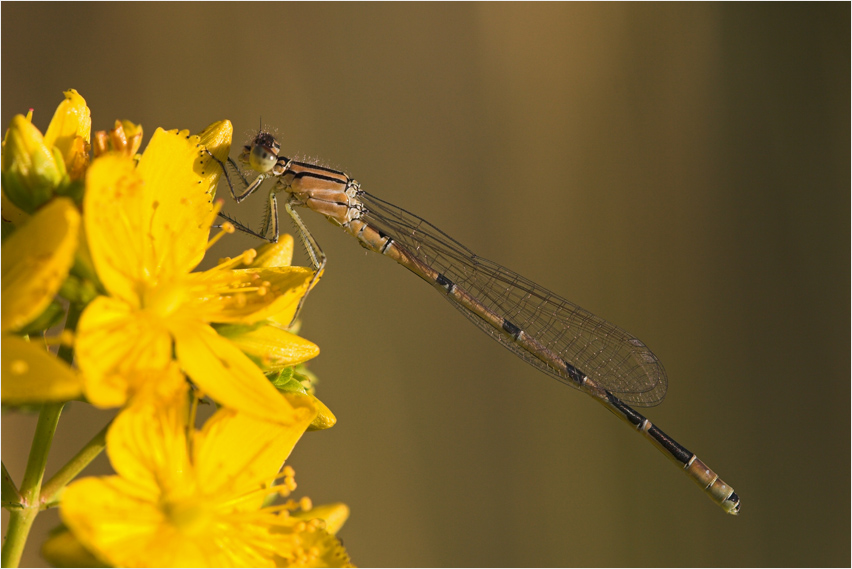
{"x": 109, "y": 244}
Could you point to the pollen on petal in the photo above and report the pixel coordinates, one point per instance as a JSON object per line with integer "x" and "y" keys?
{"x": 19, "y": 367}
{"x": 31, "y": 374}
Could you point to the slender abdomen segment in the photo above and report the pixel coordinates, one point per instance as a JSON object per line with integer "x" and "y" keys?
{"x": 694, "y": 468}
{"x": 373, "y": 239}
{"x": 709, "y": 481}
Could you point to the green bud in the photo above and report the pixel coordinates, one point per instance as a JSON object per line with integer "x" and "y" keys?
{"x": 31, "y": 170}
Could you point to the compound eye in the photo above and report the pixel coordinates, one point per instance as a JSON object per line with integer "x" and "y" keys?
{"x": 262, "y": 158}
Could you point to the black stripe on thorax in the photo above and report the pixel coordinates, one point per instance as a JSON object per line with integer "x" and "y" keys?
{"x": 323, "y": 168}
{"x": 315, "y": 176}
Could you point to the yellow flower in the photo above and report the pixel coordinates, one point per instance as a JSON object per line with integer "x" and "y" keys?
{"x": 272, "y": 346}
{"x": 147, "y": 228}
{"x": 36, "y": 259}
{"x": 70, "y": 132}
{"x": 36, "y": 167}
{"x": 270, "y": 255}
{"x": 195, "y": 498}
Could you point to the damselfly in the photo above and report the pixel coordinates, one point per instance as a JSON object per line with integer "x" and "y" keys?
{"x": 545, "y": 330}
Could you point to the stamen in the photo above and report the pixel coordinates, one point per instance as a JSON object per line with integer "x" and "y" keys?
{"x": 285, "y": 486}
{"x": 246, "y": 258}
{"x": 227, "y": 227}
{"x": 249, "y": 256}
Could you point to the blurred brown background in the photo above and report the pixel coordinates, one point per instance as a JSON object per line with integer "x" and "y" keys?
{"x": 681, "y": 170}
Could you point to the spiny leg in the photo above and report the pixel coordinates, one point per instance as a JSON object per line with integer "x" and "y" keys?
{"x": 240, "y": 226}
{"x": 318, "y": 258}
{"x": 246, "y": 188}
{"x": 270, "y": 216}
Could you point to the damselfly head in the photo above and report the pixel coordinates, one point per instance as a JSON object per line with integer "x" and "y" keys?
{"x": 262, "y": 154}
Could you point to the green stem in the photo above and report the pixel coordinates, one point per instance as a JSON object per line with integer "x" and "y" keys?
{"x": 21, "y": 521}
{"x": 81, "y": 460}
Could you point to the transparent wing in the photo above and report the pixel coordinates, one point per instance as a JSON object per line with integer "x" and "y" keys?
{"x": 616, "y": 360}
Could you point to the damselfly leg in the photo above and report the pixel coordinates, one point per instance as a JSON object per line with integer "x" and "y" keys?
{"x": 262, "y": 158}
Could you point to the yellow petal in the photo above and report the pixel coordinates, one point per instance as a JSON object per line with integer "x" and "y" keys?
{"x": 116, "y": 222}
{"x": 30, "y": 169}
{"x": 177, "y": 173}
{"x": 217, "y": 139}
{"x": 274, "y": 348}
{"x": 36, "y": 259}
{"x": 63, "y": 549}
{"x": 117, "y": 347}
{"x": 112, "y": 520}
{"x": 247, "y": 296}
{"x": 31, "y": 374}
{"x": 226, "y": 374}
{"x": 147, "y": 445}
{"x": 288, "y": 285}
{"x": 147, "y": 224}
{"x": 70, "y": 131}
{"x": 271, "y": 255}
{"x": 235, "y": 451}
{"x": 283, "y": 318}
{"x": 325, "y": 419}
